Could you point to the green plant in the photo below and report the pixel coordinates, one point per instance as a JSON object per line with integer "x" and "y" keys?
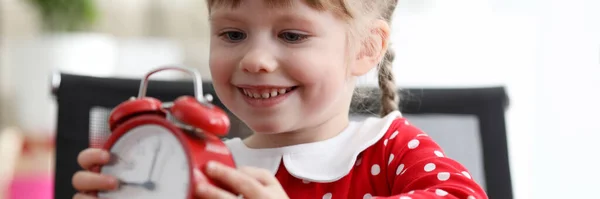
{"x": 66, "y": 15}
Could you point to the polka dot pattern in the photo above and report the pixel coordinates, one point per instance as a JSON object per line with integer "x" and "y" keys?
{"x": 443, "y": 176}
{"x": 399, "y": 169}
{"x": 394, "y": 135}
{"x": 401, "y": 161}
{"x": 429, "y": 167}
{"x": 441, "y": 192}
{"x": 413, "y": 144}
{"x": 375, "y": 169}
{"x": 466, "y": 174}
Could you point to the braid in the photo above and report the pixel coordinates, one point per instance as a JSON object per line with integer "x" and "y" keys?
{"x": 389, "y": 97}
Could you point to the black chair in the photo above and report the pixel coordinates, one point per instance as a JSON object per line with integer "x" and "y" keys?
{"x": 85, "y": 102}
{"x": 468, "y": 123}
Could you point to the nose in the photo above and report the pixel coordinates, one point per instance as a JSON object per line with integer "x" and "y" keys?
{"x": 258, "y": 61}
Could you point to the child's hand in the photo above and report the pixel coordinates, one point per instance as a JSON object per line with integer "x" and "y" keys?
{"x": 87, "y": 181}
{"x": 251, "y": 183}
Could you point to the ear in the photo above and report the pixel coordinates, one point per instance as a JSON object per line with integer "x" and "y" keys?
{"x": 372, "y": 48}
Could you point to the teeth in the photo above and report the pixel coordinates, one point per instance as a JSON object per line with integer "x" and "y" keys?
{"x": 264, "y": 93}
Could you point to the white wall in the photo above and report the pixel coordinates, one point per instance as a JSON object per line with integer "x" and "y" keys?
{"x": 547, "y": 54}
{"x": 568, "y": 82}
{"x": 183, "y": 40}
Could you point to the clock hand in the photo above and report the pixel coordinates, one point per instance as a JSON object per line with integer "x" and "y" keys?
{"x": 154, "y": 161}
{"x": 146, "y": 185}
{"x": 165, "y": 161}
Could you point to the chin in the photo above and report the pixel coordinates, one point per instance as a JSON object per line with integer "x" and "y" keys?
{"x": 267, "y": 127}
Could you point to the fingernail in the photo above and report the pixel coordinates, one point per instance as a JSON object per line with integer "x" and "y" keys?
{"x": 198, "y": 175}
{"x": 112, "y": 181}
{"x": 201, "y": 188}
{"x": 105, "y": 156}
{"x": 211, "y": 165}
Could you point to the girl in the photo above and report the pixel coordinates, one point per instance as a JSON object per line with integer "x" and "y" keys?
{"x": 287, "y": 68}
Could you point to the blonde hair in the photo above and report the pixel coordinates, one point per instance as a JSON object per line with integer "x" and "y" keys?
{"x": 358, "y": 14}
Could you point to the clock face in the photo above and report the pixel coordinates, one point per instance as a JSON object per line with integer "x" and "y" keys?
{"x": 151, "y": 163}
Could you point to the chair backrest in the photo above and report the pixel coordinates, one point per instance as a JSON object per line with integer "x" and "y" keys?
{"x": 467, "y": 123}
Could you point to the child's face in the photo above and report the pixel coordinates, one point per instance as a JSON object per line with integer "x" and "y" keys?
{"x": 261, "y": 51}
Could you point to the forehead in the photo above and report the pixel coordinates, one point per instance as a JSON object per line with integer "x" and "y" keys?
{"x": 336, "y": 7}
{"x": 258, "y": 13}
{"x": 315, "y": 4}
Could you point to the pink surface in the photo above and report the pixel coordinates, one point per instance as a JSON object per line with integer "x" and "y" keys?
{"x": 32, "y": 187}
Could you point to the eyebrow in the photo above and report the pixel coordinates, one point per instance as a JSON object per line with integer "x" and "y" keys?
{"x": 224, "y": 17}
{"x": 285, "y": 17}
{"x": 306, "y": 23}
{"x": 282, "y": 18}
{"x": 294, "y": 18}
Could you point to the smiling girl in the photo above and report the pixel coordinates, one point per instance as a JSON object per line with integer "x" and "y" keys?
{"x": 287, "y": 68}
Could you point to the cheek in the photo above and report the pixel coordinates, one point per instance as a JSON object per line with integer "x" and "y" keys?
{"x": 323, "y": 77}
{"x": 325, "y": 64}
{"x": 221, "y": 68}
{"x": 324, "y": 73}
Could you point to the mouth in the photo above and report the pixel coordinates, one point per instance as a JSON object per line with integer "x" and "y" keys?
{"x": 266, "y": 93}
{"x": 265, "y": 97}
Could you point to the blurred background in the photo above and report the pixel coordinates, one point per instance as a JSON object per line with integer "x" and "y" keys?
{"x": 545, "y": 52}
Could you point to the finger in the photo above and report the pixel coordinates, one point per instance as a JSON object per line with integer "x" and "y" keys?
{"x": 89, "y": 181}
{"x": 92, "y": 157}
{"x": 263, "y": 176}
{"x": 208, "y": 191}
{"x": 234, "y": 179}
{"x": 83, "y": 196}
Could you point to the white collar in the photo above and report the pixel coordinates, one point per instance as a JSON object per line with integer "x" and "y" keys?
{"x": 323, "y": 161}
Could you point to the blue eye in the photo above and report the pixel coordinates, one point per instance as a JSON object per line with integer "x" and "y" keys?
{"x": 233, "y": 36}
{"x": 292, "y": 37}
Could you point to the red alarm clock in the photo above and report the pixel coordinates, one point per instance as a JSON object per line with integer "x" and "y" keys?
{"x": 159, "y": 150}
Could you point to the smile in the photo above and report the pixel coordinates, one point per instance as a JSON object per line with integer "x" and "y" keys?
{"x": 265, "y": 93}
{"x": 264, "y": 97}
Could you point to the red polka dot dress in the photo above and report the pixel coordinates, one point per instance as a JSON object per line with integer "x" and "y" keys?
{"x": 376, "y": 158}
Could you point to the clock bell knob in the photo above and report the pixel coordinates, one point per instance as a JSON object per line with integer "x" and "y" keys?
{"x": 133, "y": 107}
{"x": 205, "y": 116}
